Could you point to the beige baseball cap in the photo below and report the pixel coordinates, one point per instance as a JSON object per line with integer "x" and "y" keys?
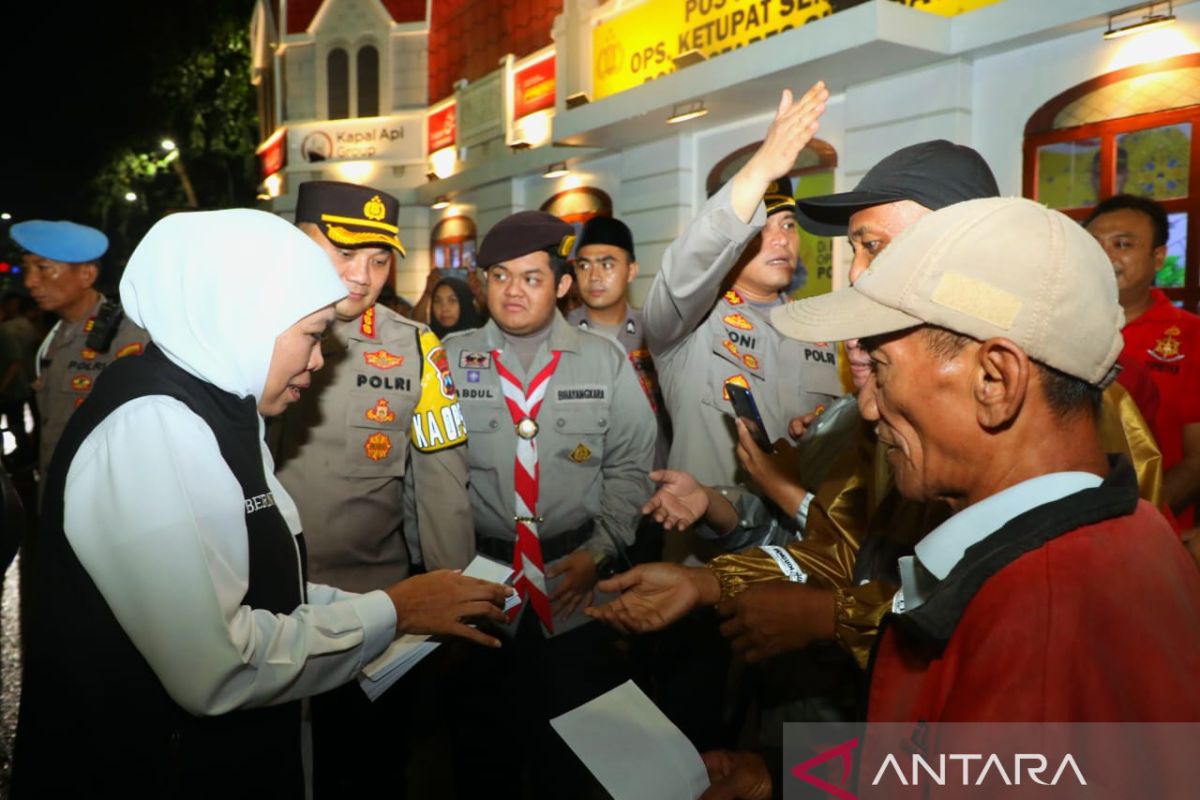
{"x": 996, "y": 267}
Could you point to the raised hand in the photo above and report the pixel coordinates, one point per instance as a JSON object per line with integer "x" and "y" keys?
{"x": 679, "y": 501}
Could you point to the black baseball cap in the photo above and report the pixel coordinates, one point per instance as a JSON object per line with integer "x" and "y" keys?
{"x": 934, "y": 174}
{"x": 606, "y": 230}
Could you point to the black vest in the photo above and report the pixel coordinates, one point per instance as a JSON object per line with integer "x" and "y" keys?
{"x": 95, "y": 721}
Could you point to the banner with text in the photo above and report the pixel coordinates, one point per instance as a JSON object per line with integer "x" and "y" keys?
{"x": 533, "y": 87}
{"x": 395, "y": 138}
{"x": 638, "y": 46}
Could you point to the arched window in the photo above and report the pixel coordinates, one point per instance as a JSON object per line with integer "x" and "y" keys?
{"x": 368, "y": 82}
{"x": 811, "y": 175}
{"x": 453, "y": 243}
{"x": 577, "y": 206}
{"x": 337, "y": 75}
{"x": 1132, "y": 131}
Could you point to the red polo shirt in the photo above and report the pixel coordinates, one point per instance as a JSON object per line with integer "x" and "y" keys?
{"x": 1166, "y": 341}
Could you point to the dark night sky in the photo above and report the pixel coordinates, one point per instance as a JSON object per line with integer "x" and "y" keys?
{"x": 76, "y": 86}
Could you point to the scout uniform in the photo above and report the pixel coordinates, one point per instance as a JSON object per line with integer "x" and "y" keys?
{"x": 73, "y": 354}
{"x": 702, "y": 339}
{"x": 374, "y": 455}
{"x": 560, "y": 455}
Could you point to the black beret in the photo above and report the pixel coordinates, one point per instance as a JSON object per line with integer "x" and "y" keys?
{"x": 606, "y": 230}
{"x": 523, "y": 233}
{"x": 351, "y": 215}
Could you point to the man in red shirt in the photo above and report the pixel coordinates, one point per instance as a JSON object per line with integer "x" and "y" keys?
{"x": 1159, "y": 338}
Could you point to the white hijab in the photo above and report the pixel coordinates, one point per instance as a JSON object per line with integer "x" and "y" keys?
{"x": 215, "y": 288}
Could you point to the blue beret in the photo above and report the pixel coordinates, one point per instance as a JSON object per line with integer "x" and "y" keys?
{"x": 59, "y": 240}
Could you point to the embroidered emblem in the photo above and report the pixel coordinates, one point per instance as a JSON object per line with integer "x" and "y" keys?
{"x": 377, "y": 446}
{"x": 472, "y": 376}
{"x": 437, "y": 357}
{"x": 78, "y": 401}
{"x": 1167, "y": 349}
{"x": 367, "y": 326}
{"x": 564, "y": 247}
{"x": 581, "y": 453}
{"x": 630, "y": 327}
{"x": 738, "y": 321}
{"x": 81, "y": 383}
{"x": 134, "y": 349}
{"x": 87, "y": 326}
{"x": 738, "y": 379}
{"x": 750, "y": 361}
{"x": 375, "y": 209}
{"x": 381, "y": 412}
{"x": 382, "y": 359}
{"x": 469, "y": 360}
{"x": 732, "y": 348}
{"x": 733, "y": 298}
{"x": 87, "y": 354}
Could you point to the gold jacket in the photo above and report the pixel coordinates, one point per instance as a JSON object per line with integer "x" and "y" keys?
{"x": 858, "y": 500}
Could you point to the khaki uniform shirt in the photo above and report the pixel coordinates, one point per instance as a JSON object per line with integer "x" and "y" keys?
{"x": 595, "y": 439}
{"x": 632, "y": 336}
{"x": 68, "y": 369}
{"x": 374, "y": 456}
{"x": 702, "y": 339}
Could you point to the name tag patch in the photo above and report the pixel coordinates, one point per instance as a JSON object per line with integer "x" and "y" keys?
{"x": 259, "y": 502}
{"x": 595, "y": 392}
{"x": 470, "y": 393}
{"x": 384, "y": 382}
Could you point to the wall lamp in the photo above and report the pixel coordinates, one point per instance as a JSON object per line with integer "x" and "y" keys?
{"x": 683, "y": 112}
{"x": 441, "y": 202}
{"x": 1147, "y": 22}
{"x": 556, "y": 170}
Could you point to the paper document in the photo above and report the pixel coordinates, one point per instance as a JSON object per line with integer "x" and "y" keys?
{"x": 632, "y": 748}
{"x": 403, "y": 654}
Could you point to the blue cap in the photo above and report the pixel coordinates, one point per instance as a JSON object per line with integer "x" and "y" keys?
{"x": 59, "y": 240}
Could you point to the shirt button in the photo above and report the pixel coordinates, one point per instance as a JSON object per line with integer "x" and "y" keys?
{"x": 494, "y": 424}
{"x": 558, "y": 423}
{"x": 603, "y": 423}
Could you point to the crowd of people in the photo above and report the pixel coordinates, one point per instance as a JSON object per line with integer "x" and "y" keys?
{"x": 254, "y": 472}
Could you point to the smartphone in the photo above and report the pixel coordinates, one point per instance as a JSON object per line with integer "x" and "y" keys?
{"x": 747, "y": 410}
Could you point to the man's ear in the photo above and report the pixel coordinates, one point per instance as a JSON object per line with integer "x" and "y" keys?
{"x": 1160, "y": 256}
{"x": 564, "y": 286}
{"x": 88, "y": 273}
{"x": 1001, "y": 382}
{"x": 633, "y": 271}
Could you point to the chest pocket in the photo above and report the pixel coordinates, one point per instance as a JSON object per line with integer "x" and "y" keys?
{"x": 578, "y": 433}
{"x": 377, "y": 428}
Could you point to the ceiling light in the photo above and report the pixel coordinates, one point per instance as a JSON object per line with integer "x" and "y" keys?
{"x": 556, "y": 170}
{"x": 1147, "y": 22}
{"x": 683, "y": 112}
{"x": 441, "y": 202}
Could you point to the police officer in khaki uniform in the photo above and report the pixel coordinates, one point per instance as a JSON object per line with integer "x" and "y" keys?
{"x": 374, "y": 455}
{"x": 562, "y": 440}
{"x": 92, "y": 331}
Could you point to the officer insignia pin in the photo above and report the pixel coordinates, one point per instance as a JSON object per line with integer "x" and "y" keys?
{"x": 134, "y": 349}
{"x": 381, "y": 412}
{"x": 733, "y": 298}
{"x": 375, "y": 209}
{"x": 630, "y": 327}
{"x": 81, "y": 383}
{"x": 377, "y": 446}
{"x": 382, "y": 359}
{"x": 89, "y": 325}
{"x": 87, "y": 354}
{"x": 1167, "y": 349}
{"x": 739, "y": 379}
{"x": 472, "y": 376}
{"x": 738, "y": 321}
{"x": 367, "y": 326}
{"x": 469, "y": 360}
{"x": 731, "y": 347}
{"x": 581, "y": 453}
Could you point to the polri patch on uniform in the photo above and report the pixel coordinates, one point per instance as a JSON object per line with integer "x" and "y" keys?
{"x": 381, "y": 412}
{"x": 134, "y": 349}
{"x": 469, "y": 360}
{"x": 81, "y": 383}
{"x": 581, "y": 453}
{"x": 588, "y": 392}
{"x": 738, "y": 379}
{"x": 382, "y": 359}
{"x": 738, "y": 321}
{"x": 88, "y": 354}
{"x": 472, "y": 376}
{"x": 377, "y": 446}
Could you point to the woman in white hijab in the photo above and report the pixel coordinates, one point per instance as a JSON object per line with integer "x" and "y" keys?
{"x": 170, "y": 633}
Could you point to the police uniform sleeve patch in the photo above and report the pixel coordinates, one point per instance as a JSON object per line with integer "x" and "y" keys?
{"x": 134, "y": 349}
{"x": 437, "y": 421}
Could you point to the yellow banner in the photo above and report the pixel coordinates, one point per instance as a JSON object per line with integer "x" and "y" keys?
{"x": 640, "y": 44}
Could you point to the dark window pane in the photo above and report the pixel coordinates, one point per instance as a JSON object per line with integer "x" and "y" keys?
{"x": 338, "y": 78}
{"x": 368, "y": 82}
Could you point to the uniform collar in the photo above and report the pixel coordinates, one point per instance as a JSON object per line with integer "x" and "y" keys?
{"x": 579, "y": 317}
{"x": 563, "y": 335}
